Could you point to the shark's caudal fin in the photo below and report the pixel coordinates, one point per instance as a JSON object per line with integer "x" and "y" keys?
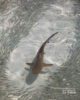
{"x": 50, "y": 38}
{"x": 44, "y": 43}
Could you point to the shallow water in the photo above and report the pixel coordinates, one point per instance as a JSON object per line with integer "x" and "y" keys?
{"x": 24, "y": 26}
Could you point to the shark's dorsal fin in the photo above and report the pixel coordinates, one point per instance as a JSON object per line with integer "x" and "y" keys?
{"x": 47, "y": 65}
{"x": 30, "y": 64}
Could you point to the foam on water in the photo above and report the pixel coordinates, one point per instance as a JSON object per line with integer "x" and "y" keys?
{"x": 56, "y": 51}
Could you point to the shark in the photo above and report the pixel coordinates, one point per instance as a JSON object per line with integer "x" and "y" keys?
{"x": 38, "y": 64}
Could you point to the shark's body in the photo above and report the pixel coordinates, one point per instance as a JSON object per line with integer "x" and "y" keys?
{"x": 37, "y": 63}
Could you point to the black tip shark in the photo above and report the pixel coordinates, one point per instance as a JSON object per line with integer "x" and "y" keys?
{"x": 37, "y": 63}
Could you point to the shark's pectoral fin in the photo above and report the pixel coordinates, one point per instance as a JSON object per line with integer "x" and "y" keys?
{"x": 47, "y": 65}
{"x": 30, "y": 64}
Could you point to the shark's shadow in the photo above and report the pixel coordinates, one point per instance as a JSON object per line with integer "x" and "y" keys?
{"x": 37, "y": 62}
{"x": 30, "y": 78}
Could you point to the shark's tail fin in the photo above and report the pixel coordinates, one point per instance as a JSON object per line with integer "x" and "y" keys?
{"x": 43, "y": 45}
{"x": 50, "y": 38}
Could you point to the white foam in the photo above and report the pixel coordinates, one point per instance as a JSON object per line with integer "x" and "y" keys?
{"x": 27, "y": 48}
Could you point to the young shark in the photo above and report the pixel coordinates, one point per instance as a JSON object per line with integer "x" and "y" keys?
{"x": 37, "y": 63}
